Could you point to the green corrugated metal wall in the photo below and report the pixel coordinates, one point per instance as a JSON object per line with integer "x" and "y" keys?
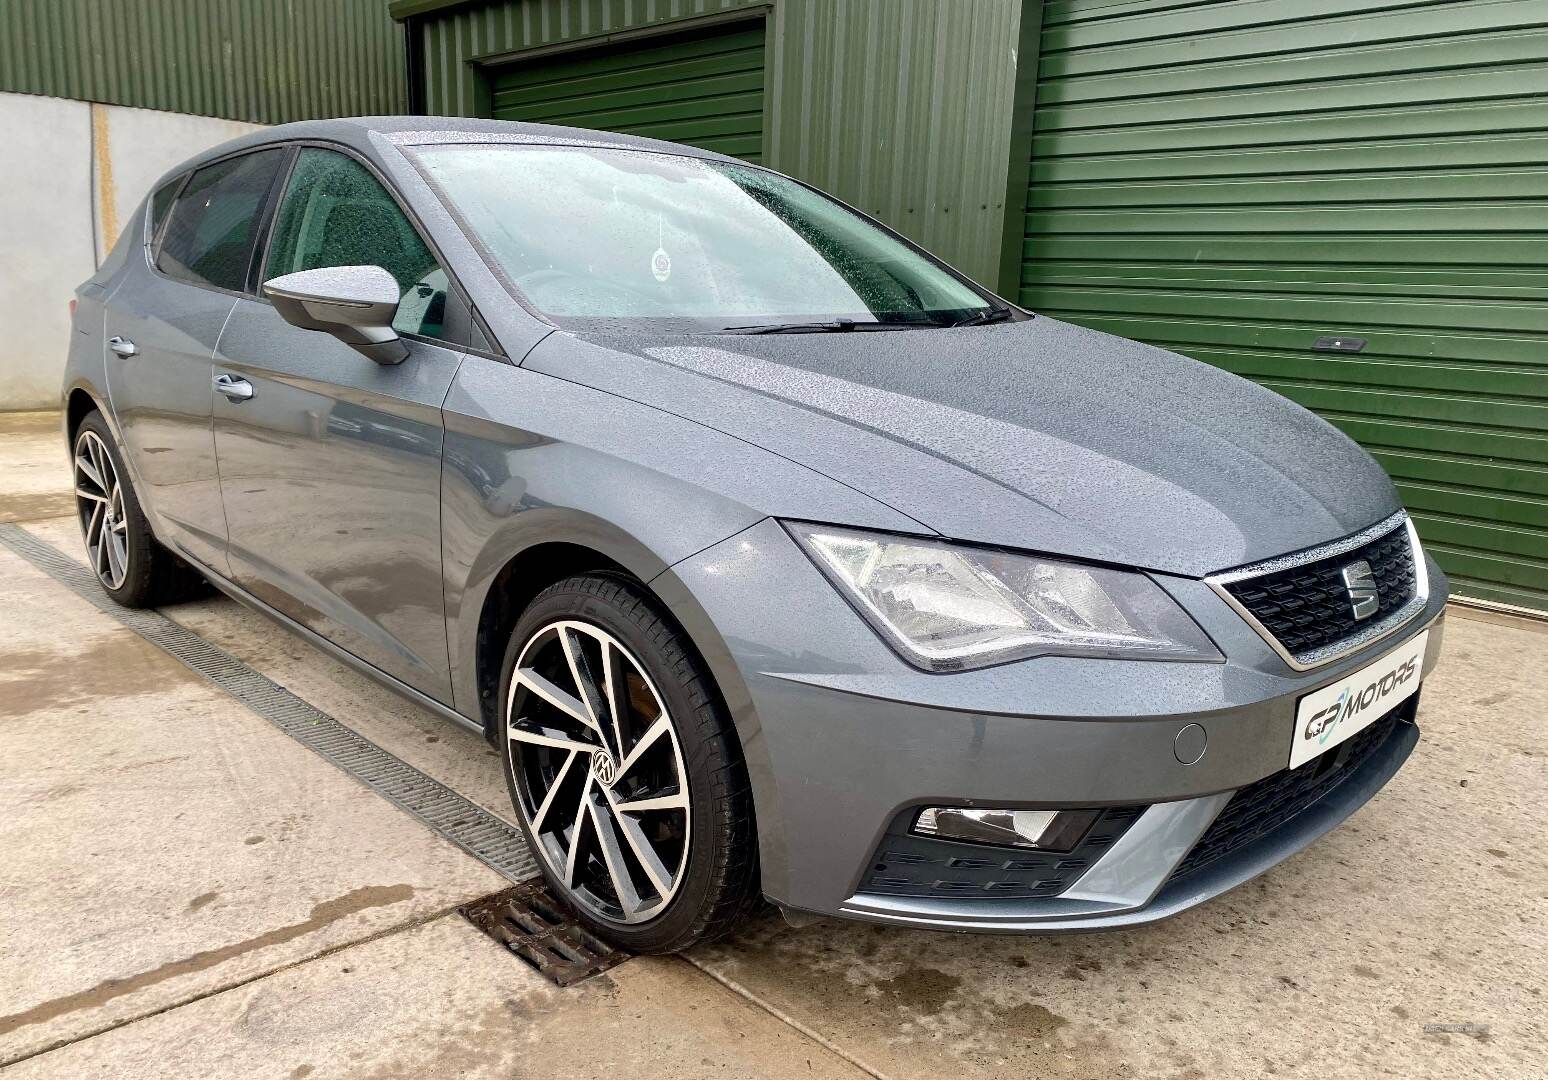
{"x": 704, "y": 88}
{"x": 265, "y": 61}
{"x": 900, "y": 107}
{"x": 1234, "y": 180}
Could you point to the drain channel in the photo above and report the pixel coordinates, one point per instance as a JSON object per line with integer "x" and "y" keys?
{"x": 541, "y": 931}
{"x": 491, "y": 840}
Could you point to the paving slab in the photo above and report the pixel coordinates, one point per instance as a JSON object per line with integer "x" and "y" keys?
{"x": 457, "y": 757}
{"x": 442, "y": 1000}
{"x": 35, "y": 477}
{"x": 159, "y": 842}
{"x": 1426, "y": 907}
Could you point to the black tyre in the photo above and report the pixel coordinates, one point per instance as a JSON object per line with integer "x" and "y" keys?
{"x": 135, "y": 570}
{"x": 626, "y": 774}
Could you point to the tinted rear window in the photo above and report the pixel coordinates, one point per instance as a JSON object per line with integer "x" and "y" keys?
{"x": 209, "y": 240}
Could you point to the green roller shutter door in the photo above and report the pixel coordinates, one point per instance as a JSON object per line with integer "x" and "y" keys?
{"x": 1235, "y": 180}
{"x": 705, "y": 89}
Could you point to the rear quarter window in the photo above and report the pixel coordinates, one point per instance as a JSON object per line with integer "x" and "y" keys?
{"x": 160, "y": 203}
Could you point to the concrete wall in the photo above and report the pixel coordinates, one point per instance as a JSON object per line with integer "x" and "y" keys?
{"x": 72, "y": 173}
{"x": 47, "y": 242}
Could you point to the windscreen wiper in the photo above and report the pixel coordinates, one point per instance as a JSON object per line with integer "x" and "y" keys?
{"x": 988, "y": 315}
{"x": 835, "y": 326}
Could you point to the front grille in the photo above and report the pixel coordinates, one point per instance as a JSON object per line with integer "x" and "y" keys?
{"x": 1263, "y": 806}
{"x": 1307, "y": 607}
{"x": 906, "y": 864}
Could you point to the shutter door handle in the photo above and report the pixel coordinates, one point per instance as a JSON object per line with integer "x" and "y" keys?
{"x": 123, "y": 346}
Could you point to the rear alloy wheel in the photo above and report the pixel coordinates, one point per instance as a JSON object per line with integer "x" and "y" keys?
{"x": 135, "y": 570}
{"x": 99, "y": 499}
{"x": 625, "y": 772}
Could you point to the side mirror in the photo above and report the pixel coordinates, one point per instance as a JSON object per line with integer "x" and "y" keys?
{"x": 356, "y": 304}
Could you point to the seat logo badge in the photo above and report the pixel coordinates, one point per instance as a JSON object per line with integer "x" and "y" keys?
{"x": 1361, "y": 584}
{"x": 603, "y": 768}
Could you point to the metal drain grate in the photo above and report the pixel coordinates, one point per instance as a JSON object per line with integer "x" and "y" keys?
{"x": 491, "y": 840}
{"x": 541, "y": 931}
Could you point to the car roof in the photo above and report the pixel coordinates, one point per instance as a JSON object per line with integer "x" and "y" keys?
{"x": 367, "y": 134}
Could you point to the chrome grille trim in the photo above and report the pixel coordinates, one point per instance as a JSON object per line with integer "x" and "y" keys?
{"x": 1366, "y": 635}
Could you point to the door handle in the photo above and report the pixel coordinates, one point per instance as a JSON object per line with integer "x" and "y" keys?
{"x": 233, "y": 388}
{"x": 123, "y": 346}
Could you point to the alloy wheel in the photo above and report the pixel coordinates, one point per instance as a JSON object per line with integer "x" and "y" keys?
{"x": 599, "y": 771}
{"x": 99, "y": 500}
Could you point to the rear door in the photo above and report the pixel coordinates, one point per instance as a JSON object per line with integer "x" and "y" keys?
{"x": 330, "y": 470}
{"x": 162, "y": 324}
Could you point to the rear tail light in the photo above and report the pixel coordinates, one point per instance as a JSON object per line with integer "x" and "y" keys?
{"x": 72, "y": 307}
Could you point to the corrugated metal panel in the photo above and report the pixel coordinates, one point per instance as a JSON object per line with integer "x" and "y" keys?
{"x": 900, "y": 107}
{"x": 264, "y": 61}
{"x": 457, "y": 35}
{"x": 1234, "y": 180}
{"x": 704, "y": 88}
{"x": 904, "y": 110}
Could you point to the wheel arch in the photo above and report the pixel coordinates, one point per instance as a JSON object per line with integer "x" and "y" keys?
{"x": 78, "y": 404}
{"x": 528, "y": 571}
{"x": 510, "y": 592}
{"x": 549, "y": 546}
{"x": 81, "y": 399}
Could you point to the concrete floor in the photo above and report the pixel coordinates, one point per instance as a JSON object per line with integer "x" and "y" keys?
{"x": 185, "y": 891}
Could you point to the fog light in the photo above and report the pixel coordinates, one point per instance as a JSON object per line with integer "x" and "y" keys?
{"x": 1046, "y": 830}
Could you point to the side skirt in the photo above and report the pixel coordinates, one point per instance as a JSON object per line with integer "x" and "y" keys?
{"x": 311, "y": 637}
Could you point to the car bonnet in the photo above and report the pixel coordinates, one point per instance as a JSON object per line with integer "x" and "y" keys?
{"x": 1036, "y": 434}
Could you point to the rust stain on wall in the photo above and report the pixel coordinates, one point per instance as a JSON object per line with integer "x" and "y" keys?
{"x": 107, "y": 193}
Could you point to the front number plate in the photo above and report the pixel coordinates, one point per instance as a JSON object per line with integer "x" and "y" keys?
{"x": 1327, "y": 717}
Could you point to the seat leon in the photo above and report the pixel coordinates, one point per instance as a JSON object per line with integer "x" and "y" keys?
{"x": 776, "y": 558}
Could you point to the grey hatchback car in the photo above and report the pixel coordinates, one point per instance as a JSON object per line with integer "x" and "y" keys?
{"x": 777, "y": 558}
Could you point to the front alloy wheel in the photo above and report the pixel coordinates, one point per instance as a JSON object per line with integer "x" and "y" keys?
{"x": 601, "y": 781}
{"x": 624, "y": 767}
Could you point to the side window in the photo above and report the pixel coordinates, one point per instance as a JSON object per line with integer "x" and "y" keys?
{"x": 160, "y": 203}
{"x": 209, "y": 240}
{"x": 335, "y": 213}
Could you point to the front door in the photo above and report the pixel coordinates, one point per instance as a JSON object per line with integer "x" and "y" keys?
{"x": 162, "y": 324}
{"x": 330, "y": 463}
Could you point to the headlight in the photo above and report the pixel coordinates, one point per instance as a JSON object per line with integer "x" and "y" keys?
{"x": 946, "y": 608}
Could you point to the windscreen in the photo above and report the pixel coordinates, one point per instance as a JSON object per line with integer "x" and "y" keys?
{"x": 609, "y": 236}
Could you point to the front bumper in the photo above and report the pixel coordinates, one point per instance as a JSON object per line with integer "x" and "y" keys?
{"x": 1134, "y": 882}
{"x": 841, "y": 737}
